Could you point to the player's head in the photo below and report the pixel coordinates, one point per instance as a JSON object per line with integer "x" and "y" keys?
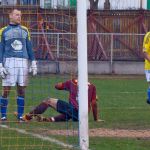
{"x": 15, "y": 16}
{"x": 75, "y": 81}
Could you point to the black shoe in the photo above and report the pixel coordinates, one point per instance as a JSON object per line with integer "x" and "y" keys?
{"x": 148, "y": 101}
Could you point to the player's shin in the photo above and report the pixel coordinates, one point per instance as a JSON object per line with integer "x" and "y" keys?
{"x": 3, "y": 104}
{"x": 41, "y": 108}
{"x": 148, "y": 95}
{"x": 20, "y": 106}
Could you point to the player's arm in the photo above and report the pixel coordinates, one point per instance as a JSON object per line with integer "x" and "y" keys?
{"x": 3, "y": 71}
{"x": 95, "y": 109}
{"x": 146, "y": 56}
{"x": 94, "y": 104}
{"x": 29, "y": 47}
{"x": 29, "y": 44}
{"x": 146, "y": 46}
{"x": 63, "y": 85}
{"x": 59, "y": 86}
{"x": 1, "y": 45}
{"x": 33, "y": 66}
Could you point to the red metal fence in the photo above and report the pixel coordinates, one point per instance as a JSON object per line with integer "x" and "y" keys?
{"x": 44, "y": 22}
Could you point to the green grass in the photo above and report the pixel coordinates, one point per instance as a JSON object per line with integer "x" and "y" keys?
{"x": 122, "y": 104}
{"x": 118, "y": 144}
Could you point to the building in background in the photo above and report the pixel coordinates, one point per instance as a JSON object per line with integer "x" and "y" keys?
{"x": 64, "y": 4}
{"x": 114, "y": 4}
{"x": 58, "y": 4}
{"x": 8, "y": 2}
{"x": 125, "y": 4}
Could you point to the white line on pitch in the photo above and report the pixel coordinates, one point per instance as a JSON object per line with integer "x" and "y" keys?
{"x": 44, "y": 138}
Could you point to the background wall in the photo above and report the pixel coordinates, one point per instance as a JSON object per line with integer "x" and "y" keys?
{"x": 94, "y": 67}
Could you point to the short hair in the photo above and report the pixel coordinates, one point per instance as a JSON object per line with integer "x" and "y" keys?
{"x": 12, "y": 10}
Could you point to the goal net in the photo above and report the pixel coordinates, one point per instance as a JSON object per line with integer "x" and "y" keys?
{"x": 53, "y": 28}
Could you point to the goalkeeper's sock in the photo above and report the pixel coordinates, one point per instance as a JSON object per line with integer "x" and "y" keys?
{"x": 20, "y": 106}
{"x": 41, "y": 108}
{"x": 3, "y": 103}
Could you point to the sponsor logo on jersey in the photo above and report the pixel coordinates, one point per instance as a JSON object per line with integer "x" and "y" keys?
{"x": 17, "y": 45}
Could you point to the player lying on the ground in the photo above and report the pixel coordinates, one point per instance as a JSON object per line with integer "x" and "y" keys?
{"x": 68, "y": 110}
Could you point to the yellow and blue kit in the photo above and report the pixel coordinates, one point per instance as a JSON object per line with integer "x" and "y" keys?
{"x": 15, "y": 42}
{"x": 146, "y": 48}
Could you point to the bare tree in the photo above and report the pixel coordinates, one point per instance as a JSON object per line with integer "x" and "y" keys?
{"x": 93, "y": 4}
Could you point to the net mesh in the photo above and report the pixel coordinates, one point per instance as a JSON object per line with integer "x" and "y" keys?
{"x": 53, "y": 36}
{"x": 114, "y": 35}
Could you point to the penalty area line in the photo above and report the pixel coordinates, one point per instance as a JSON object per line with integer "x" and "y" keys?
{"x": 44, "y": 138}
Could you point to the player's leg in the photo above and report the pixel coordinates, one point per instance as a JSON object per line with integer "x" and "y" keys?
{"x": 62, "y": 107}
{"x": 41, "y": 108}
{"x": 4, "y": 102}
{"x": 148, "y": 93}
{"x": 20, "y": 101}
{"x": 147, "y": 73}
{"x": 22, "y": 82}
{"x": 60, "y": 118}
{"x": 7, "y": 83}
{"x": 68, "y": 110}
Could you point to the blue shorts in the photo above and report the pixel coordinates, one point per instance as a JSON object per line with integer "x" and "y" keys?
{"x": 68, "y": 110}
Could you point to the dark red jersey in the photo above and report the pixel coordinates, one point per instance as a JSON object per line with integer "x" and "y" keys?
{"x": 72, "y": 87}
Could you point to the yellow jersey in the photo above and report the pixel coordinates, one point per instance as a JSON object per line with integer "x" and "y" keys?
{"x": 146, "y": 48}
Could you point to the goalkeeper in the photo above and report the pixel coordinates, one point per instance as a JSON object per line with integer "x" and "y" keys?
{"x": 15, "y": 51}
{"x": 68, "y": 110}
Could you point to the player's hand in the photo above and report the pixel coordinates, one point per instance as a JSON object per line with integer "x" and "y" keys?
{"x": 33, "y": 68}
{"x": 3, "y": 71}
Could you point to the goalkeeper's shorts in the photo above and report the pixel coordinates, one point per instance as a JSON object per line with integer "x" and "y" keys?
{"x": 68, "y": 110}
{"x": 17, "y": 72}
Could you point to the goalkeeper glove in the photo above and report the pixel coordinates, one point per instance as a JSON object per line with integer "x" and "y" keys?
{"x": 3, "y": 71}
{"x": 33, "y": 68}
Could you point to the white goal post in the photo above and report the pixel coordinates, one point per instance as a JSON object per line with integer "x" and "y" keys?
{"x": 82, "y": 73}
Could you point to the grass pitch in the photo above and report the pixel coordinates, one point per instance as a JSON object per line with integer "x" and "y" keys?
{"x": 122, "y": 104}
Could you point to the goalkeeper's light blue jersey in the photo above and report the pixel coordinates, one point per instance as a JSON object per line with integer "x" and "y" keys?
{"x": 15, "y": 42}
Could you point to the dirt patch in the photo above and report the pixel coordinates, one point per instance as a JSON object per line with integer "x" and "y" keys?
{"x": 103, "y": 132}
